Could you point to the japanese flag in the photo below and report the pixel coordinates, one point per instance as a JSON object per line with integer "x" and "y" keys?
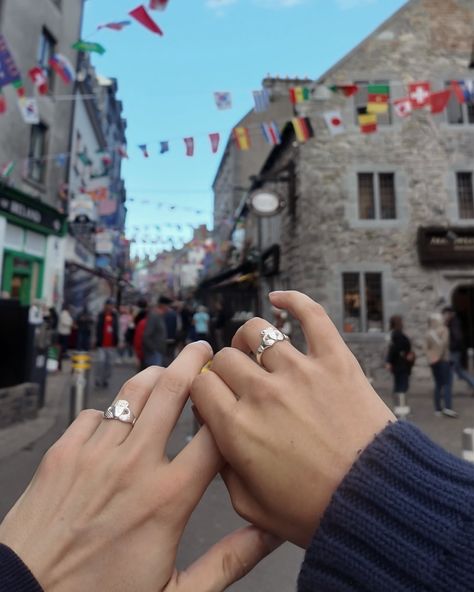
{"x": 334, "y": 122}
{"x": 403, "y": 107}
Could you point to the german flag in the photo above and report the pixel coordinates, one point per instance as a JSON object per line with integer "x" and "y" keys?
{"x": 242, "y": 138}
{"x": 379, "y": 95}
{"x": 303, "y": 129}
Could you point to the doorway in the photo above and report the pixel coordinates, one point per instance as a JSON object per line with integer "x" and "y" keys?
{"x": 22, "y": 277}
{"x": 463, "y": 304}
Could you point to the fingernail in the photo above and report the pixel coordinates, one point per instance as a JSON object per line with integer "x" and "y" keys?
{"x": 207, "y": 367}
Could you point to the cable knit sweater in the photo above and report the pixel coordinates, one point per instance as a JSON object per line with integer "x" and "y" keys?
{"x": 401, "y": 521}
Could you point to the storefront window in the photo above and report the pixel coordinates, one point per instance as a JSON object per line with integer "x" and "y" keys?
{"x": 363, "y": 303}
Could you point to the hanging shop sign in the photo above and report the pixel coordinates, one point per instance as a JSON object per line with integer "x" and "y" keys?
{"x": 21, "y": 208}
{"x": 437, "y": 245}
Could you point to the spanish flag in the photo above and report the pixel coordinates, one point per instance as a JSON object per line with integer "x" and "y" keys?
{"x": 299, "y": 94}
{"x": 367, "y": 121}
{"x": 379, "y": 95}
{"x": 303, "y": 129}
{"x": 242, "y": 138}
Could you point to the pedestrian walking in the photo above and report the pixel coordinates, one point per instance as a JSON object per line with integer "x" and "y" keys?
{"x": 400, "y": 357}
{"x": 154, "y": 341}
{"x": 106, "y": 341}
{"x": 125, "y": 323}
{"x": 437, "y": 352}
{"x": 84, "y": 323}
{"x": 201, "y": 321}
{"x": 456, "y": 347}
{"x": 65, "y": 325}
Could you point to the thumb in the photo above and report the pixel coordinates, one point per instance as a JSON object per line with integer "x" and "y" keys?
{"x": 228, "y": 561}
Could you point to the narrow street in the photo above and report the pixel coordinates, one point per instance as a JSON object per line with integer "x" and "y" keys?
{"x": 213, "y": 519}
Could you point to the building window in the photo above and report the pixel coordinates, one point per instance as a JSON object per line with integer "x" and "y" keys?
{"x": 377, "y": 199}
{"x": 37, "y": 153}
{"x": 465, "y": 195}
{"x": 361, "y": 98}
{"x": 363, "y": 302}
{"x": 46, "y": 50}
{"x": 457, "y": 113}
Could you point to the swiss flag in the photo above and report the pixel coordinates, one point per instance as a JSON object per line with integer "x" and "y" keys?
{"x": 419, "y": 93}
{"x": 403, "y": 107}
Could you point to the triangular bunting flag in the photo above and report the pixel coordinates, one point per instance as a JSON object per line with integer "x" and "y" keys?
{"x": 346, "y": 89}
{"x": 164, "y": 147}
{"x": 189, "y": 143}
{"x": 117, "y": 26}
{"x": 334, "y": 122}
{"x": 143, "y": 148}
{"x": 214, "y": 138}
{"x": 141, "y": 15}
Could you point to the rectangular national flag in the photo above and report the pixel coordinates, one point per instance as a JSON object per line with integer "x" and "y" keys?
{"x": 88, "y": 46}
{"x": 141, "y": 15}
{"x": 303, "y": 129}
{"x": 9, "y": 72}
{"x": 7, "y": 169}
{"x": 439, "y": 101}
{"x": 242, "y": 138}
{"x": 367, "y": 121}
{"x": 63, "y": 68}
{"x": 379, "y": 95}
{"x": 403, "y": 107}
{"x": 419, "y": 93}
{"x": 348, "y": 90}
{"x": 189, "y": 143}
{"x": 164, "y": 146}
{"x": 271, "y": 133}
{"x": 334, "y": 122}
{"x": 107, "y": 207}
{"x": 223, "y": 100}
{"x": 214, "y": 138}
{"x": 143, "y": 148}
{"x": 3, "y": 103}
{"x": 122, "y": 151}
{"x": 29, "y": 110}
{"x": 261, "y": 99}
{"x": 463, "y": 90}
{"x": 98, "y": 194}
{"x": 20, "y": 88}
{"x": 158, "y": 4}
{"x": 299, "y": 94}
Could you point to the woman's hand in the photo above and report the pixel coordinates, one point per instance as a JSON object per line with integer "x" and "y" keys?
{"x": 292, "y": 430}
{"x": 106, "y": 509}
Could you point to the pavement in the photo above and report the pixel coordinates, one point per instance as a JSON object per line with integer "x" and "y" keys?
{"x": 22, "y": 447}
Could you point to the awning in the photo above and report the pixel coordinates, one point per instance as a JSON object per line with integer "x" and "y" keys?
{"x": 245, "y": 268}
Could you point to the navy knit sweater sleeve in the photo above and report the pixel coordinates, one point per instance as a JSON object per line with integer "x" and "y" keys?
{"x": 14, "y": 575}
{"x": 402, "y": 520}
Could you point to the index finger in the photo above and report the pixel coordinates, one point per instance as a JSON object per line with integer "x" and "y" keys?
{"x": 320, "y": 332}
{"x": 166, "y": 402}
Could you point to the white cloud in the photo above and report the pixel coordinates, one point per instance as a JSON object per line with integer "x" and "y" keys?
{"x": 348, "y": 4}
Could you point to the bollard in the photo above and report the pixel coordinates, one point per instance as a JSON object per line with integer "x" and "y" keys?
{"x": 81, "y": 365}
{"x": 470, "y": 360}
{"x": 468, "y": 444}
{"x": 401, "y": 410}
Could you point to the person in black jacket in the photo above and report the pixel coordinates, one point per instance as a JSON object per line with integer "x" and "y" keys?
{"x": 400, "y": 357}
{"x": 456, "y": 347}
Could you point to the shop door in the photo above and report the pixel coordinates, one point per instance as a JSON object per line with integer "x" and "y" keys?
{"x": 463, "y": 304}
{"x": 22, "y": 277}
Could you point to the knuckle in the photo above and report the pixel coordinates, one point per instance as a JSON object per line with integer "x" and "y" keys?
{"x": 224, "y": 354}
{"x": 131, "y": 388}
{"x": 59, "y": 455}
{"x": 89, "y": 414}
{"x": 174, "y": 384}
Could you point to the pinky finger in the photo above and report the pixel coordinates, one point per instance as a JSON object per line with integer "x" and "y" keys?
{"x": 227, "y": 561}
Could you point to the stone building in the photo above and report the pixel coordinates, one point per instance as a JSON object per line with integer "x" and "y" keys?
{"x": 383, "y": 223}
{"x": 32, "y": 197}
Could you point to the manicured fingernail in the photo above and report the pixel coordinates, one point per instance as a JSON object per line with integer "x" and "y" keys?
{"x": 207, "y": 367}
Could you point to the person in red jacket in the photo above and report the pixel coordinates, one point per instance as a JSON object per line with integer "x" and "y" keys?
{"x": 138, "y": 342}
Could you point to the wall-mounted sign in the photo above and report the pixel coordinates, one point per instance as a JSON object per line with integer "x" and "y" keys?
{"x": 439, "y": 246}
{"x": 38, "y": 214}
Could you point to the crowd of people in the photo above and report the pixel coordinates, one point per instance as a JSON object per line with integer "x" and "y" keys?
{"x": 443, "y": 346}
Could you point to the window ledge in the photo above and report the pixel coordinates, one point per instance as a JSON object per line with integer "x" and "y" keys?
{"x": 376, "y": 224}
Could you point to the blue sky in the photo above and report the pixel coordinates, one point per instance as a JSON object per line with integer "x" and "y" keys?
{"x": 167, "y": 84}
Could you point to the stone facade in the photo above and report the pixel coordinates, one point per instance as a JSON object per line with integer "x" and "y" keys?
{"x": 426, "y": 40}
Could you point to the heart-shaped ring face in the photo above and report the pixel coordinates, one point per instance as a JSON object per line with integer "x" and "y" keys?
{"x": 271, "y": 335}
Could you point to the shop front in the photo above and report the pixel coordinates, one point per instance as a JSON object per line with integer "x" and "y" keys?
{"x": 30, "y": 248}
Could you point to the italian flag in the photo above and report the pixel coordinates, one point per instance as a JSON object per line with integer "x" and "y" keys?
{"x": 302, "y": 127}
{"x": 379, "y": 95}
{"x": 242, "y": 138}
{"x": 7, "y": 169}
{"x": 299, "y": 94}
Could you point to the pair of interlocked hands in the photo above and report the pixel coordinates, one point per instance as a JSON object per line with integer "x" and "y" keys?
{"x": 106, "y": 509}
